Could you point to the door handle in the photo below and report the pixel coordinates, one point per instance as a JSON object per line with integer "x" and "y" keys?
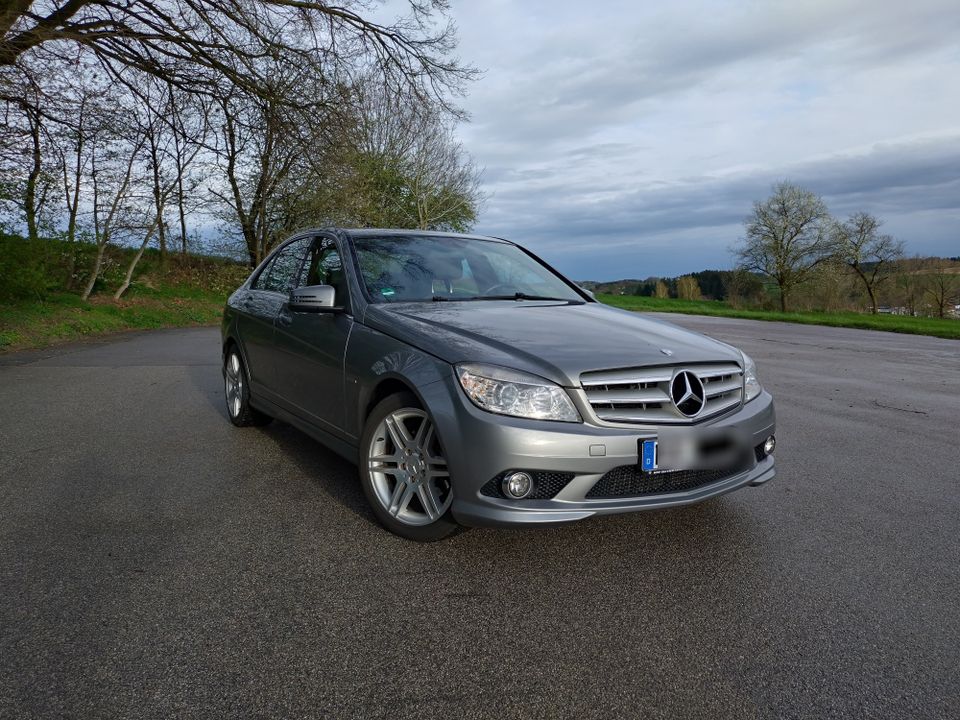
{"x": 284, "y": 318}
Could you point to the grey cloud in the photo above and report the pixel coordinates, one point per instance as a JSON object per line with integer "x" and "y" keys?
{"x": 640, "y": 133}
{"x": 555, "y": 94}
{"x": 891, "y": 181}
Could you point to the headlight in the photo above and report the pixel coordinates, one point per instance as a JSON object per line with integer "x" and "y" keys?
{"x": 511, "y": 392}
{"x": 751, "y": 383}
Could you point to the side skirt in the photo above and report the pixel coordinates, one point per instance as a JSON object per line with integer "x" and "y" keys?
{"x": 341, "y": 447}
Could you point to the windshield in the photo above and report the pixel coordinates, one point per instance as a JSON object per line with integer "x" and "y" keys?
{"x": 422, "y": 268}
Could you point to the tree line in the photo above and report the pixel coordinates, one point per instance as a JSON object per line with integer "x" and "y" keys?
{"x": 795, "y": 254}
{"x": 159, "y": 122}
{"x": 791, "y": 239}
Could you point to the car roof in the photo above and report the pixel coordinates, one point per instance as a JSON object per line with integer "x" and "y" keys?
{"x": 397, "y": 232}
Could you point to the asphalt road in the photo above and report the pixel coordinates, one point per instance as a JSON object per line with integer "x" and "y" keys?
{"x": 157, "y": 562}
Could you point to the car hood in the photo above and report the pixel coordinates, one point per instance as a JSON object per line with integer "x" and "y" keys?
{"x": 557, "y": 341}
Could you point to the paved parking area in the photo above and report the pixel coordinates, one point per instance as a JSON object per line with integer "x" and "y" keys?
{"x": 157, "y": 562}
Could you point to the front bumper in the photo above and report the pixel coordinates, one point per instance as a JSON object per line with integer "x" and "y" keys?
{"x": 480, "y": 446}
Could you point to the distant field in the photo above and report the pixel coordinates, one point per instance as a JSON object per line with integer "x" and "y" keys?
{"x": 947, "y": 328}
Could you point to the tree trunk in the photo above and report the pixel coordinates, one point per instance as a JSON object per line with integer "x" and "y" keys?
{"x": 136, "y": 259}
{"x": 30, "y": 193}
{"x": 873, "y": 299}
{"x": 157, "y": 195}
{"x": 95, "y": 272}
{"x": 783, "y": 299}
{"x": 183, "y": 216}
{"x": 162, "y": 237}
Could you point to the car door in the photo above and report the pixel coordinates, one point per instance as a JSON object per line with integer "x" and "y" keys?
{"x": 259, "y": 308}
{"x": 310, "y": 346}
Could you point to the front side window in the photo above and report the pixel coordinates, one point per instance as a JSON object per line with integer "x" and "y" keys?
{"x": 324, "y": 266}
{"x": 281, "y": 274}
{"x": 419, "y": 268}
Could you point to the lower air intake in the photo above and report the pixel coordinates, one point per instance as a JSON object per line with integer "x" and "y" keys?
{"x": 630, "y": 481}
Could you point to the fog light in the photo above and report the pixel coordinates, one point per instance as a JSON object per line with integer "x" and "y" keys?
{"x": 517, "y": 485}
{"x": 769, "y": 445}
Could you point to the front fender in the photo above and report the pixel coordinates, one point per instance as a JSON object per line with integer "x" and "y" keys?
{"x": 374, "y": 358}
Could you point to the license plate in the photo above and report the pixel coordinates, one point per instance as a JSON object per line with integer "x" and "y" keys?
{"x": 649, "y": 457}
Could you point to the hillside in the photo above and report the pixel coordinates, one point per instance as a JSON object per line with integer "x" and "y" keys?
{"x": 35, "y": 311}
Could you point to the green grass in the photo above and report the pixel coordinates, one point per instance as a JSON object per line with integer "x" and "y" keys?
{"x": 36, "y": 312}
{"x": 63, "y": 317}
{"x": 944, "y": 328}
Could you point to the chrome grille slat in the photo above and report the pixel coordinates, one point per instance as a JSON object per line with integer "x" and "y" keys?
{"x": 623, "y": 377}
{"x": 642, "y": 395}
{"x": 652, "y": 395}
{"x": 719, "y": 387}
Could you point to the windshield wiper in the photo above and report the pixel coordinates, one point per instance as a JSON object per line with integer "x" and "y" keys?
{"x": 525, "y": 296}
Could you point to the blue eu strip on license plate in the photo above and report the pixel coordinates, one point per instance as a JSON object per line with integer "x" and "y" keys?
{"x": 648, "y": 456}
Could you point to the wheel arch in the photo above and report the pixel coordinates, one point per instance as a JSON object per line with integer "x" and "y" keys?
{"x": 385, "y": 387}
{"x": 230, "y": 341}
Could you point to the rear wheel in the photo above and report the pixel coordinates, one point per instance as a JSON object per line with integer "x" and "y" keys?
{"x": 404, "y": 471}
{"x": 236, "y": 388}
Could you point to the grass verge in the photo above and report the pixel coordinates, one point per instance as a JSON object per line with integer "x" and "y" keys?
{"x": 944, "y": 328}
{"x": 63, "y": 317}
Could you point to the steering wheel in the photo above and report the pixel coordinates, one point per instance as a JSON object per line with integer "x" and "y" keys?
{"x": 504, "y": 289}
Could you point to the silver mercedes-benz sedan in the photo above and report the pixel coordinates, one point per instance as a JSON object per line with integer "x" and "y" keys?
{"x": 475, "y": 385}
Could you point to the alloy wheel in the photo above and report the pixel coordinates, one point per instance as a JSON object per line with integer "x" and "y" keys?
{"x": 233, "y": 384}
{"x": 407, "y": 468}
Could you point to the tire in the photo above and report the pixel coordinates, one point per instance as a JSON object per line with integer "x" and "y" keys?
{"x": 236, "y": 386}
{"x": 404, "y": 472}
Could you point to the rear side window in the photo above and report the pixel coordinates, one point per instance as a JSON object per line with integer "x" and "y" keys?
{"x": 281, "y": 274}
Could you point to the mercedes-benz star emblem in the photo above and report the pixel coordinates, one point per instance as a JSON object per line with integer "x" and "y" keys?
{"x": 686, "y": 390}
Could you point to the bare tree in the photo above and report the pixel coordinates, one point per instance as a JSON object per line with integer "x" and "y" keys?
{"x": 163, "y": 166}
{"x": 688, "y": 288}
{"x": 253, "y": 97}
{"x": 859, "y": 244}
{"x": 256, "y": 152}
{"x": 112, "y": 167}
{"x": 31, "y": 201}
{"x": 403, "y": 167}
{"x": 787, "y": 236}
{"x": 71, "y": 152}
{"x": 189, "y": 117}
{"x": 208, "y": 44}
{"x": 25, "y": 150}
{"x": 941, "y": 284}
{"x": 444, "y": 183}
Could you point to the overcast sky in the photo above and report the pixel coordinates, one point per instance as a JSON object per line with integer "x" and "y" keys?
{"x": 628, "y": 139}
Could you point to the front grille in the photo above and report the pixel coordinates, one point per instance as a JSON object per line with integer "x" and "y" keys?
{"x": 630, "y": 481}
{"x": 545, "y": 484}
{"x": 642, "y": 395}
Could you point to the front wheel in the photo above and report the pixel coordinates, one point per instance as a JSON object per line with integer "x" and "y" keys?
{"x": 404, "y": 472}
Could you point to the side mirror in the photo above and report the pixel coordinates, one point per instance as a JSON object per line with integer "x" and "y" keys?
{"x": 313, "y": 299}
